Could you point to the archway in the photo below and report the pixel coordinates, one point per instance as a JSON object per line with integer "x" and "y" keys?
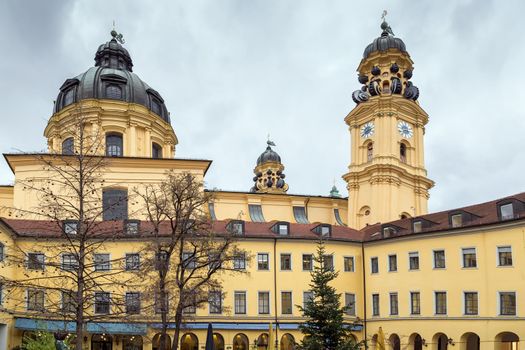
{"x": 101, "y": 342}
{"x": 132, "y": 342}
{"x": 189, "y": 341}
{"x": 156, "y": 342}
{"x": 415, "y": 341}
{"x": 469, "y": 341}
{"x": 287, "y": 342}
{"x": 218, "y": 341}
{"x": 440, "y": 341}
{"x": 262, "y": 342}
{"x": 373, "y": 342}
{"x": 394, "y": 341}
{"x": 506, "y": 341}
{"x": 240, "y": 342}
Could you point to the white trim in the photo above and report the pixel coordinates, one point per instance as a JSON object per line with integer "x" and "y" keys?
{"x": 390, "y": 303}
{"x": 397, "y": 265}
{"x": 355, "y": 303}
{"x": 353, "y": 262}
{"x": 498, "y": 310}
{"x": 95, "y": 265}
{"x": 269, "y": 302}
{"x": 511, "y": 255}
{"x": 410, "y": 303}
{"x": 291, "y": 300}
{"x": 464, "y": 304}
{"x": 435, "y": 304}
{"x": 257, "y": 261}
{"x": 302, "y": 266}
{"x": 463, "y": 260}
{"x": 378, "y": 304}
{"x": 280, "y": 262}
{"x": 371, "y": 269}
{"x": 245, "y": 302}
{"x": 434, "y": 258}
{"x": 418, "y": 261}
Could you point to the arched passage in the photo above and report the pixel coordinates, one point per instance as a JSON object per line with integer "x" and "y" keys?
{"x": 240, "y": 342}
{"x": 506, "y": 341}
{"x": 469, "y": 341}
{"x": 262, "y": 342}
{"x": 373, "y": 342}
{"x": 287, "y": 342}
{"x": 394, "y": 341}
{"x": 218, "y": 341}
{"x": 189, "y": 341}
{"x": 132, "y": 342}
{"x": 415, "y": 342}
{"x": 156, "y": 342}
{"x": 440, "y": 341}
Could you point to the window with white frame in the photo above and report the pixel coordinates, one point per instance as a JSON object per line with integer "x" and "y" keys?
{"x": 439, "y": 259}
{"x": 102, "y": 262}
{"x": 215, "y": 301}
{"x": 240, "y": 302}
{"x": 440, "y": 303}
{"x": 415, "y": 303}
{"x": 350, "y": 304}
{"x": 469, "y": 257}
{"x": 374, "y": 265}
{"x": 375, "y": 304}
{"x": 239, "y": 261}
{"x": 506, "y": 211}
{"x": 308, "y": 262}
{"x": 102, "y": 302}
{"x": 286, "y": 303}
{"x": 348, "y": 263}
{"x": 286, "y": 262}
{"x": 507, "y": 303}
{"x": 471, "y": 303}
{"x": 413, "y": 260}
{"x": 505, "y": 256}
{"x": 263, "y": 262}
{"x": 264, "y": 303}
{"x": 394, "y": 307}
{"x": 132, "y": 262}
{"x": 392, "y": 263}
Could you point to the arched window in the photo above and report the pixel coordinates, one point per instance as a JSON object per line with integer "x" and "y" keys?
{"x": 218, "y": 341}
{"x": 240, "y": 342}
{"x": 68, "y": 146}
{"x": 115, "y": 204}
{"x": 156, "y": 150}
{"x": 156, "y": 342}
{"x": 113, "y": 92}
{"x": 69, "y": 97}
{"x": 369, "y": 151}
{"x": 189, "y": 341}
{"x": 114, "y": 145}
{"x": 403, "y": 152}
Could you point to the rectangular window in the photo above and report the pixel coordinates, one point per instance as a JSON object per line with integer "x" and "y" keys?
{"x": 417, "y": 226}
{"x": 413, "y": 259}
{"x": 375, "y": 304}
{"x": 456, "y": 220}
{"x": 350, "y": 304}
{"x": 161, "y": 260}
{"x": 263, "y": 261}
{"x": 506, "y": 211}
{"x": 188, "y": 260}
{"x": 392, "y": 263}
{"x": 240, "y": 302}
{"x": 505, "y": 256}
{"x": 286, "y": 303}
{"x": 132, "y": 302}
{"x": 132, "y": 262}
{"x": 214, "y": 261}
{"x": 471, "y": 303}
{"x": 439, "y": 259}
{"x": 35, "y": 261}
{"x": 469, "y": 257}
{"x": 237, "y": 228}
{"x": 308, "y": 262}
{"x": 35, "y": 300}
{"x": 162, "y": 304}
{"x": 191, "y": 308}
{"x": 132, "y": 228}
{"x": 349, "y": 264}
{"x": 239, "y": 261}
{"x": 101, "y": 262}
{"x": 507, "y": 303}
{"x": 264, "y": 303}
{"x": 286, "y": 262}
{"x": 68, "y": 301}
{"x": 102, "y": 301}
{"x": 215, "y": 301}
{"x": 374, "y": 265}
{"x": 307, "y": 296}
{"x": 328, "y": 262}
{"x": 115, "y": 204}
{"x": 70, "y": 227}
{"x": 415, "y": 304}
{"x": 441, "y": 303}
{"x": 69, "y": 262}
{"x": 393, "y": 304}
{"x": 282, "y": 229}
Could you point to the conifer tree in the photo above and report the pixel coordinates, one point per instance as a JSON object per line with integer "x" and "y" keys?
{"x": 324, "y": 328}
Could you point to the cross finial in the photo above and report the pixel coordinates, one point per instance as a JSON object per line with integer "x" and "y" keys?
{"x": 117, "y": 36}
{"x": 383, "y": 16}
{"x": 269, "y": 142}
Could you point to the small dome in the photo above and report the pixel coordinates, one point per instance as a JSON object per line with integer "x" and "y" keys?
{"x": 111, "y": 78}
{"x": 384, "y": 42}
{"x": 269, "y": 155}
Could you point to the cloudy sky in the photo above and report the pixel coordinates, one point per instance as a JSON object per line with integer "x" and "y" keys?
{"x": 234, "y": 71}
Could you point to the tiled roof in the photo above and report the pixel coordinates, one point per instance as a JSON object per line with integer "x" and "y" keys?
{"x": 477, "y": 215}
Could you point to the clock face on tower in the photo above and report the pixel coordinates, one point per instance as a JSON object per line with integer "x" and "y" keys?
{"x": 367, "y": 130}
{"x": 405, "y": 129}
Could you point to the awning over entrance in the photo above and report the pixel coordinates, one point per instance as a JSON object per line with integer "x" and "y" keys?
{"x": 29, "y": 324}
{"x": 243, "y": 326}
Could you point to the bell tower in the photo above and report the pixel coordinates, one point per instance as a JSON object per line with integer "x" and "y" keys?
{"x": 386, "y": 178}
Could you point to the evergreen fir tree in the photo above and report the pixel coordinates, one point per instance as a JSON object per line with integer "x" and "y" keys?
{"x": 324, "y": 328}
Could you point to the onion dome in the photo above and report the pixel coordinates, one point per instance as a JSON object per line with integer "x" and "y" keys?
{"x": 111, "y": 78}
{"x": 269, "y": 155}
{"x": 384, "y": 42}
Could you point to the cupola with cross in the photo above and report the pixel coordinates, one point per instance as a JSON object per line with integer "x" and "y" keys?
{"x": 386, "y": 177}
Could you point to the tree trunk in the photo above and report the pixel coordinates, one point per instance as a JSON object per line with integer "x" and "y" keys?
{"x": 178, "y": 321}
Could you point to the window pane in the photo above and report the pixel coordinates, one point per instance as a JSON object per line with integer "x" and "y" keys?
{"x": 35, "y": 300}
{"x": 413, "y": 260}
{"x": 113, "y": 92}
{"x": 262, "y": 261}
{"x": 469, "y": 257}
{"x": 114, "y": 145}
{"x": 392, "y": 263}
{"x": 132, "y": 302}
{"x": 506, "y": 211}
{"x": 505, "y": 256}
{"x": 286, "y": 302}
{"x": 132, "y": 262}
{"x": 415, "y": 307}
{"x": 393, "y": 304}
{"x": 240, "y": 302}
{"x": 156, "y": 151}
{"x": 350, "y": 304}
{"x": 457, "y": 220}
{"x": 439, "y": 259}
{"x": 349, "y": 263}
{"x": 375, "y": 304}
{"x": 307, "y": 262}
{"x": 328, "y": 262}
{"x": 508, "y": 303}
{"x": 239, "y": 262}
{"x": 115, "y": 204}
{"x": 101, "y": 262}
{"x": 264, "y": 302}
{"x": 215, "y": 301}
{"x": 441, "y": 303}
{"x": 307, "y": 296}
{"x": 374, "y": 265}
{"x": 471, "y": 303}
{"x": 417, "y": 226}
{"x": 102, "y": 303}
{"x": 35, "y": 261}
{"x": 286, "y": 262}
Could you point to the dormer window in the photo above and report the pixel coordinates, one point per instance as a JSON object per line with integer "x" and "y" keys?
{"x": 324, "y": 230}
{"x": 155, "y": 106}
{"x": 69, "y": 96}
{"x": 417, "y": 226}
{"x": 389, "y": 231}
{"x": 70, "y": 227}
{"x": 506, "y": 211}
{"x": 236, "y": 227}
{"x": 68, "y": 146}
{"x": 281, "y": 228}
{"x": 456, "y": 220}
{"x": 156, "y": 151}
{"x": 113, "y": 92}
{"x": 132, "y": 227}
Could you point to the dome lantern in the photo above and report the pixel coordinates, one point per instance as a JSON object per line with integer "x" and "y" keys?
{"x": 269, "y": 176}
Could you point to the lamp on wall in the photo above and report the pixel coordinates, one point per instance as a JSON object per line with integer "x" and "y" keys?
{"x": 424, "y": 342}
{"x": 451, "y": 341}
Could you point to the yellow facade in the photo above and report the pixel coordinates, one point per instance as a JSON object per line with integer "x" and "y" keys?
{"x": 388, "y": 192}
